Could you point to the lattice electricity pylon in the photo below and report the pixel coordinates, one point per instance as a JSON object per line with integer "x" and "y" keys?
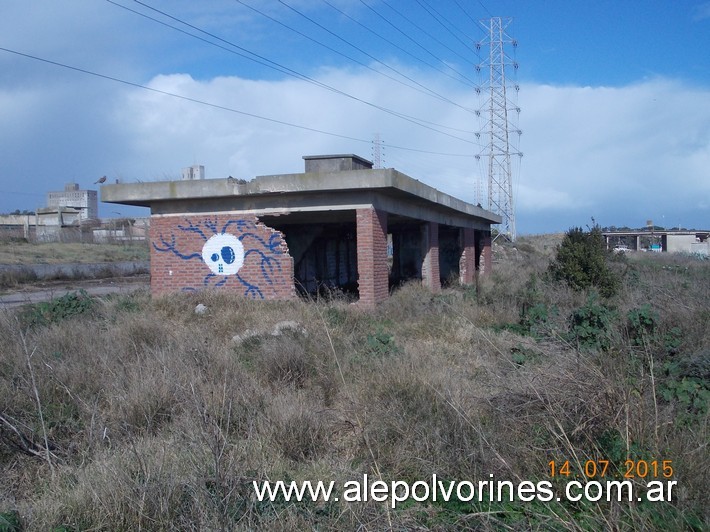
{"x": 497, "y": 112}
{"x": 378, "y": 155}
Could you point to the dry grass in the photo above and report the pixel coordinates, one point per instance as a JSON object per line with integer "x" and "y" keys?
{"x": 157, "y": 419}
{"x": 21, "y": 252}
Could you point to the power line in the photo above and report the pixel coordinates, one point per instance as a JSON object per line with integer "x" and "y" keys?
{"x": 466, "y": 12}
{"x": 438, "y": 16}
{"x": 424, "y": 31}
{"x": 409, "y": 37}
{"x": 391, "y": 43}
{"x": 381, "y": 16}
{"x": 217, "y": 106}
{"x": 367, "y": 54}
{"x": 256, "y": 57}
{"x": 424, "y": 89}
{"x": 281, "y": 68}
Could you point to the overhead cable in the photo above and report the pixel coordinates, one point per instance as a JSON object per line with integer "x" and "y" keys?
{"x": 417, "y": 121}
{"x": 424, "y": 31}
{"x": 424, "y": 89}
{"x": 410, "y": 38}
{"x": 440, "y": 18}
{"x": 217, "y": 106}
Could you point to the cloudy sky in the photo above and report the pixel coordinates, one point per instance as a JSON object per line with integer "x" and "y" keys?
{"x": 614, "y": 97}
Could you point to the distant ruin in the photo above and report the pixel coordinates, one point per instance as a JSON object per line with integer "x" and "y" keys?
{"x": 339, "y": 225}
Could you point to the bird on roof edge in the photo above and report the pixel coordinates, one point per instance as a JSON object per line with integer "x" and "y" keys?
{"x": 102, "y": 179}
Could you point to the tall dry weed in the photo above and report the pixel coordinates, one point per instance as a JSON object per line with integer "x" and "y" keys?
{"x": 158, "y": 418}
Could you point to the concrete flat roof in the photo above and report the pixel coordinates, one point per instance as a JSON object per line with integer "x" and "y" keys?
{"x": 386, "y": 189}
{"x": 669, "y": 232}
{"x": 338, "y": 156}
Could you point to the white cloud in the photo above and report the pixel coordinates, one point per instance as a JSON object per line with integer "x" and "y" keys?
{"x": 622, "y": 154}
{"x": 619, "y": 154}
{"x": 626, "y": 153}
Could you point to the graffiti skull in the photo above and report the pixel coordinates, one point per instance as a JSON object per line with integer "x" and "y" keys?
{"x": 223, "y": 254}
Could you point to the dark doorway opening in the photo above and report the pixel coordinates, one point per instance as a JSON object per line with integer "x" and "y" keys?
{"x": 324, "y": 254}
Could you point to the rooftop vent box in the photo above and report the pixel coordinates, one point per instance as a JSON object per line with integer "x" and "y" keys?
{"x": 196, "y": 171}
{"x": 335, "y": 163}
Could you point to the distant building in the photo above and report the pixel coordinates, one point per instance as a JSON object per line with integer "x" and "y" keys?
{"x": 193, "y": 172}
{"x": 667, "y": 241}
{"x": 60, "y": 224}
{"x": 84, "y": 200}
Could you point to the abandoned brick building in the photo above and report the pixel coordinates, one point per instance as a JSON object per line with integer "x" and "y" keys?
{"x": 341, "y": 224}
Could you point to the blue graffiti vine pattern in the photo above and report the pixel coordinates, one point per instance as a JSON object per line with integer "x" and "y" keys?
{"x": 266, "y": 252}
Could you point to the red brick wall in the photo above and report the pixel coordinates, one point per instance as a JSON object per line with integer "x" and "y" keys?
{"x": 177, "y": 263}
{"x": 431, "y": 277}
{"x": 467, "y": 263}
{"x": 486, "y": 264}
{"x": 372, "y": 267}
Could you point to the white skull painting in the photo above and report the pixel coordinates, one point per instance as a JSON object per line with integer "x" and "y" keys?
{"x": 223, "y": 254}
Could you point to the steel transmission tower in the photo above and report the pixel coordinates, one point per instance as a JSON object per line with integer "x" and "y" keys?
{"x": 378, "y": 155}
{"x": 497, "y": 113}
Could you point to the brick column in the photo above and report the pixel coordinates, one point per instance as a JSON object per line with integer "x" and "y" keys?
{"x": 430, "y": 253}
{"x": 467, "y": 262}
{"x": 486, "y": 264}
{"x": 372, "y": 268}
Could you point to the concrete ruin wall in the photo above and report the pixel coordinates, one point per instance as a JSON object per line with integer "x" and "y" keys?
{"x": 679, "y": 243}
{"x": 235, "y": 253}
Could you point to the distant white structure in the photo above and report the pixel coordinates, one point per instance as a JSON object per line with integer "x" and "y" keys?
{"x": 700, "y": 248}
{"x": 86, "y": 201}
{"x": 193, "y": 172}
{"x": 680, "y": 243}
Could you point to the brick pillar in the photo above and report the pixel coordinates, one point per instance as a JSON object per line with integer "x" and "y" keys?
{"x": 467, "y": 262}
{"x": 430, "y": 253}
{"x": 486, "y": 264}
{"x": 372, "y": 268}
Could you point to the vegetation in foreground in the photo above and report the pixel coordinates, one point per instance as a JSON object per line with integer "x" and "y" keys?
{"x": 128, "y": 413}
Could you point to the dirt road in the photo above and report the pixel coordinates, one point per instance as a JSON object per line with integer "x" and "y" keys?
{"x": 44, "y": 291}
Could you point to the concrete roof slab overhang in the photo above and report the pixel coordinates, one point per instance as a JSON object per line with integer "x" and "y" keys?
{"x": 384, "y": 189}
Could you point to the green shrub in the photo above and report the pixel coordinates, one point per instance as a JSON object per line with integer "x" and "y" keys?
{"x": 58, "y": 309}
{"x": 581, "y": 262}
{"x": 10, "y": 522}
{"x": 686, "y": 382}
{"x": 380, "y": 344}
{"x": 591, "y": 325}
{"x": 335, "y": 317}
{"x": 534, "y": 318}
{"x": 534, "y": 311}
{"x": 672, "y": 340}
{"x": 642, "y": 324}
{"x": 521, "y": 354}
{"x": 692, "y": 396}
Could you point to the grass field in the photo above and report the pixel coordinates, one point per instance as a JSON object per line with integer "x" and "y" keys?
{"x": 22, "y": 252}
{"x": 132, "y": 413}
